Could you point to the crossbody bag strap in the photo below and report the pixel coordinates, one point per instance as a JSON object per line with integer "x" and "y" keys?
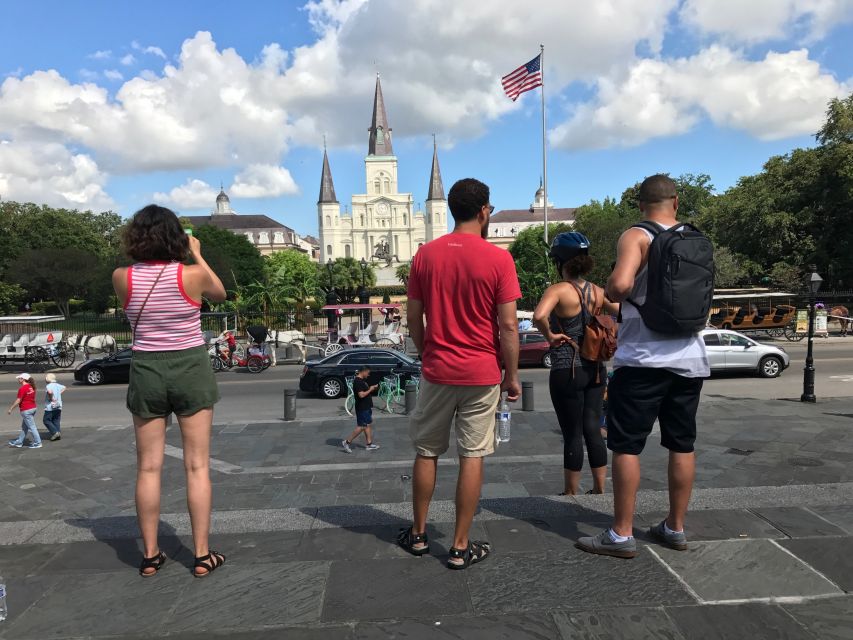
{"x": 144, "y": 302}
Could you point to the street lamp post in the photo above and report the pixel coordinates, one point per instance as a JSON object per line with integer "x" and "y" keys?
{"x": 813, "y": 282}
{"x": 331, "y": 298}
{"x": 363, "y": 296}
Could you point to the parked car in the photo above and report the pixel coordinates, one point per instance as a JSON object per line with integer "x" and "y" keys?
{"x": 733, "y": 351}
{"x": 533, "y": 349}
{"x": 113, "y": 368}
{"x": 326, "y": 377}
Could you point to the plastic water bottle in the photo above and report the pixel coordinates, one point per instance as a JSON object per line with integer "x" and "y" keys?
{"x": 502, "y": 420}
{"x": 3, "y": 610}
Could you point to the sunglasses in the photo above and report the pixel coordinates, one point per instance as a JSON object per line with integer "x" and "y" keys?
{"x": 491, "y": 208}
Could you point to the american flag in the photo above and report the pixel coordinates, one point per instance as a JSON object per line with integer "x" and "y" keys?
{"x": 526, "y": 77}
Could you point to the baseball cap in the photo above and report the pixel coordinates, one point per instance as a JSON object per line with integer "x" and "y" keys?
{"x": 23, "y": 376}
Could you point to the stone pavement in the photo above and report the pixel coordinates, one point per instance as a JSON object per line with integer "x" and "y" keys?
{"x": 309, "y": 534}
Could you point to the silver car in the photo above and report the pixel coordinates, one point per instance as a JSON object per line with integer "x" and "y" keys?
{"x": 733, "y": 351}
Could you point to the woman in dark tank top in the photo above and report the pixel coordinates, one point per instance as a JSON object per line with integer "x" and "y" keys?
{"x": 576, "y": 385}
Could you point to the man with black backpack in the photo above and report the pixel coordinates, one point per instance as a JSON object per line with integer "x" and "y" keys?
{"x": 664, "y": 278}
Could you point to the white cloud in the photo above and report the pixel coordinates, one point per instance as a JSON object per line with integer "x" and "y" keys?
{"x": 263, "y": 181}
{"x": 785, "y": 94}
{"x": 51, "y": 174}
{"x": 193, "y": 194}
{"x": 762, "y": 20}
{"x": 87, "y": 75}
{"x": 113, "y": 74}
{"x": 101, "y": 55}
{"x": 128, "y": 60}
{"x": 156, "y": 51}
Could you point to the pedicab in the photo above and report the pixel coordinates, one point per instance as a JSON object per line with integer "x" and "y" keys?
{"x": 31, "y": 341}
{"x": 364, "y": 332}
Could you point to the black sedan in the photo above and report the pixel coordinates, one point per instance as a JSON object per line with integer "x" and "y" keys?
{"x": 114, "y": 368}
{"x": 326, "y": 377}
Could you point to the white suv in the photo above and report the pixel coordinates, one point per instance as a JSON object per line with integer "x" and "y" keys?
{"x": 733, "y": 351}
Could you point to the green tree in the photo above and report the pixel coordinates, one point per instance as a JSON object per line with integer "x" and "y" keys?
{"x": 11, "y": 296}
{"x": 346, "y": 278}
{"x": 291, "y": 274}
{"x": 232, "y": 257}
{"x": 58, "y": 275}
{"x": 402, "y": 273}
{"x": 602, "y": 223}
{"x": 731, "y": 270}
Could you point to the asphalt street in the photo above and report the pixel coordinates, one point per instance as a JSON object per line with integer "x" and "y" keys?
{"x": 250, "y": 397}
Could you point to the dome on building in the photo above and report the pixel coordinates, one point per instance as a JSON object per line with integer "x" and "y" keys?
{"x": 223, "y": 203}
{"x": 223, "y": 197}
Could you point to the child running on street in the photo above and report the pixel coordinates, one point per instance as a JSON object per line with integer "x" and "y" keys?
{"x": 363, "y": 411}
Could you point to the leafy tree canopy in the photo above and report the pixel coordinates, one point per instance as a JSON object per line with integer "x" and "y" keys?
{"x": 291, "y": 274}
{"x": 234, "y": 259}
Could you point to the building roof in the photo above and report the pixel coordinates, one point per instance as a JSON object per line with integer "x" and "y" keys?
{"x": 537, "y": 217}
{"x": 380, "y": 132}
{"x": 436, "y": 187}
{"x": 327, "y": 187}
{"x": 236, "y": 221}
{"x": 311, "y": 240}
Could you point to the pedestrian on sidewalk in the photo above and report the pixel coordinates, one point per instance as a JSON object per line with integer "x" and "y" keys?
{"x": 170, "y": 372}
{"x": 53, "y": 406}
{"x": 467, "y": 288}
{"x": 657, "y": 375}
{"x": 26, "y": 402}
{"x": 576, "y": 384}
{"x": 363, "y": 411}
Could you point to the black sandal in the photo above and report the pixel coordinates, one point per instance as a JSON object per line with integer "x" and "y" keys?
{"x": 210, "y": 563}
{"x": 155, "y": 562}
{"x": 408, "y": 540}
{"x": 477, "y": 551}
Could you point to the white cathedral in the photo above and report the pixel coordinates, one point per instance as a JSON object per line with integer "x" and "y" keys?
{"x": 382, "y": 223}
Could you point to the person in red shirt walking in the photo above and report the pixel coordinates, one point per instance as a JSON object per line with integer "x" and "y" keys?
{"x": 467, "y": 288}
{"x": 26, "y": 401}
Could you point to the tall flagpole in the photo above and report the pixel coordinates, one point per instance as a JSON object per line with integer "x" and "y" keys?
{"x": 544, "y": 150}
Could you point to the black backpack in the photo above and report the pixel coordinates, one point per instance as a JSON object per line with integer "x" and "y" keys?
{"x": 680, "y": 279}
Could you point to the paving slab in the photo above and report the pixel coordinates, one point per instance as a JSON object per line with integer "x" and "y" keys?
{"x": 630, "y": 623}
{"x": 571, "y": 580}
{"x": 830, "y": 619}
{"x": 724, "y": 622}
{"x": 830, "y": 556}
{"x": 720, "y": 524}
{"x": 364, "y": 590}
{"x": 724, "y": 570}
{"x": 515, "y": 627}
{"x": 797, "y": 522}
{"x": 840, "y": 515}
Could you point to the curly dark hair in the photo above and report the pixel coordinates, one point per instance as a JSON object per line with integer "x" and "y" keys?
{"x": 466, "y": 198}
{"x": 155, "y": 233}
{"x": 576, "y": 267}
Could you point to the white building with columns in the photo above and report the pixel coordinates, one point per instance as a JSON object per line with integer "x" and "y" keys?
{"x": 382, "y": 217}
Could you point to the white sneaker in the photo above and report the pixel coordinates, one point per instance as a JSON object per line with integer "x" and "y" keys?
{"x": 345, "y": 446}
{"x": 372, "y": 447}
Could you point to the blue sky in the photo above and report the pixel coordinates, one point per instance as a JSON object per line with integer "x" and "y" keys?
{"x": 113, "y": 105}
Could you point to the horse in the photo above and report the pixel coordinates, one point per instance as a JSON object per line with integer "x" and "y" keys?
{"x": 102, "y": 343}
{"x": 292, "y": 336}
{"x": 842, "y": 314}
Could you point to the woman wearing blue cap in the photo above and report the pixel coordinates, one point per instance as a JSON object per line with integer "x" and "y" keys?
{"x": 576, "y": 384}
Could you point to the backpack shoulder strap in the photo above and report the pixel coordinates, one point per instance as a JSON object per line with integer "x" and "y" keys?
{"x": 649, "y": 226}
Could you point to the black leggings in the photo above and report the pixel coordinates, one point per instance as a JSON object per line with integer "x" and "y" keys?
{"x": 577, "y": 399}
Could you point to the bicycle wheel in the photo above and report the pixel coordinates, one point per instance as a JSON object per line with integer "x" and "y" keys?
{"x": 255, "y": 364}
{"x": 216, "y": 363}
{"x": 349, "y": 405}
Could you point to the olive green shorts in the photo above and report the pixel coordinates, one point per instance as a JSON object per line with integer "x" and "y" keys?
{"x": 164, "y": 382}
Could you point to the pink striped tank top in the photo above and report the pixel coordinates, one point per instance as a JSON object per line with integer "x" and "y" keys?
{"x": 171, "y": 320}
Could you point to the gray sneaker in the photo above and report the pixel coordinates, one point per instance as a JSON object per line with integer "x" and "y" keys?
{"x": 346, "y": 446}
{"x": 604, "y": 545}
{"x": 675, "y": 540}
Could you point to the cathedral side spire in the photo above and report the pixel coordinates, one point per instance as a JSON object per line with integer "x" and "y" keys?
{"x": 327, "y": 187}
{"x": 380, "y": 132}
{"x": 436, "y": 187}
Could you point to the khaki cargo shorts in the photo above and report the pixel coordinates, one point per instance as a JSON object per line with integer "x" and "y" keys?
{"x": 474, "y": 409}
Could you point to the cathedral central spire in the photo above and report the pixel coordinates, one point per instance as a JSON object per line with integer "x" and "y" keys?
{"x": 380, "y": 132}
{"x": 327, "y": 187}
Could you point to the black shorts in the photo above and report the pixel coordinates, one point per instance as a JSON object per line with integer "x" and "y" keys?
{"x": 638, "y": 396}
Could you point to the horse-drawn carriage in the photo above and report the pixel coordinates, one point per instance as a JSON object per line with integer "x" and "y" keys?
{"x": 754, "y": 313}
{"x": 364, "y": 332}
{"x": 31, "y": 341}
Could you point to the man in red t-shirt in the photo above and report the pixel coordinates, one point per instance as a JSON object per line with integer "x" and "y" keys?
{"x": 467, "y": 288}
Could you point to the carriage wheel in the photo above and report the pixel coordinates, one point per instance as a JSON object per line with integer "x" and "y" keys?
{"x": 64, "y": 356}
{"x": 385, "y": 343}
{"x": 36, "y": 358}
{"x": 255, "y": 364}
{"x": 777, "y": 333}
{"x": 216, "y": 363}
{"x": 791, "y": 333}
{"x": 333, "y": 347}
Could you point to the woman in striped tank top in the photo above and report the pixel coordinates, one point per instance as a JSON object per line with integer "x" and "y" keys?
{"x": 170, "y": 371}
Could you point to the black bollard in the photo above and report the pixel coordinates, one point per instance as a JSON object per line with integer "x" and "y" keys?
{"x": 527, "y": 402}
{"x": 411, "y": 397}
{"x": 289, "y": 405}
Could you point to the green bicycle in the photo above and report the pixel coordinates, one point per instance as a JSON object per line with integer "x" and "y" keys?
{"x": 392, "y": 391}
{"x": 349, "y": 403}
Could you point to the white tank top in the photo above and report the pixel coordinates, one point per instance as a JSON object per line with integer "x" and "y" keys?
{"x": 639, "y": 346}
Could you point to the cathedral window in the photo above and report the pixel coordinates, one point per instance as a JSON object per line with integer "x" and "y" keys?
{"x": 328, "y": 221}
{"x": 362, "y": 220}
{"x": 347, "y": 251}
{"x": 328, "y": 251}
{"x": 387, "y": 185}
{"x": 405, "y": 219}
{"x": 377, "y": 187}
